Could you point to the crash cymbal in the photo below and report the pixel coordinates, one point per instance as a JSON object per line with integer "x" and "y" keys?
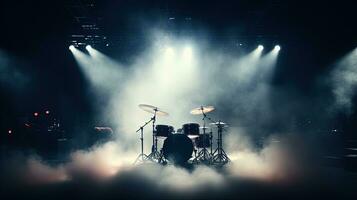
{"x": 202, "y": 109}
{"x": 153, "y": 110}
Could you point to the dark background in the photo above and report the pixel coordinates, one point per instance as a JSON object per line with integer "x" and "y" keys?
{"x": 42, "y": 74}
{"x": 36, "y": 36}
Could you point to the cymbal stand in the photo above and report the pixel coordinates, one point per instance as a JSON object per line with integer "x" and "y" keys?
{"x": 203, "y": 155}
{"x": 154, "y": 155}
{"x": 142, "y": 157}
{"x": 211, "y": 133}
{"x": 211, "y": 142}
{"x": 219, "y": 156}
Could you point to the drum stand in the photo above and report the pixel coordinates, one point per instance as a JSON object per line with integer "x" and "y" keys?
{"x": 211, "y": 142}
{"x": 142, "y": 157}
{"x": 203, "y": 155}
{"x": 219, "y": 156}
{"x": 154, "y": 156}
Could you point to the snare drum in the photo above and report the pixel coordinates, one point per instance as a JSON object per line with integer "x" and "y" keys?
{"x": 192, "y": 130}
{"x": 164, "y": 130}
{"x": 203, "y": 141}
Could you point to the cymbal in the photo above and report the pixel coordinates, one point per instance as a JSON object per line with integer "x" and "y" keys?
{"x": 219, "y": 123}
{"x": 153, "y": 110}
{"x": 202, "y": 109}
{"x": 201, "y": 127}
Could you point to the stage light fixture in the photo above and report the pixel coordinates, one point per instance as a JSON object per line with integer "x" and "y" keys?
{"x": 9, "y": 131}
{"x": 260, "y": 47}
{"x": 47, "y": 112}
{"x": 88, "y": 47}
{"x": 71, "y": 47}
{"x": 277, "y": 48}
{"x": 35, "y": 114}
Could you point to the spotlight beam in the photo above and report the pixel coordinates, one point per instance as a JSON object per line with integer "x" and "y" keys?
{"x": 268, "y": 63}
{"x": 101, "y": 70}
{"x": 82, "y": 59}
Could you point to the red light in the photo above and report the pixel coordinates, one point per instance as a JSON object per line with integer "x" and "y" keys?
{"x": 47, "y": 112}
{"x": 35, "y": 114}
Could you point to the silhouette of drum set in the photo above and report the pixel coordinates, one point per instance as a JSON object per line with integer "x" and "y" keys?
{"x": 190, "y": 144}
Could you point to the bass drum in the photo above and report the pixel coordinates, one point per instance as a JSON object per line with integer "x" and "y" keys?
{"x": 177, "y": 148}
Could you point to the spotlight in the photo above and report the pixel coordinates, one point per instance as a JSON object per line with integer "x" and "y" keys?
{"x": 9, "y": 131}
{"x": 88, "y": 47}
{"x": 71, "y": 47}
{"x": 277, "y": 48}
{"x": 260, "y": 47}
{"x": 35, "y": 114}
{"x": 47, "y": 112}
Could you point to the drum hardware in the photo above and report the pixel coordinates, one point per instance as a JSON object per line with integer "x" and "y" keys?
{"x": 142, "y": 157}
{"x": 219, "y": 156}
{"x": 201, "y": 127}
{"x": 162, "y": 159}
{"x": 211, "y": 142}
{"x": 224, "y": 125}
{"x": 202, "y": 109}
{"x": 178, "y": 147}
{"x": 203, "y": 155}
{"x": 154, "y": 156}
{"x": 210, "y": 138}
{"x": 203, "y": 142}
{"x": 192, "y": 130}
{"x": 164, "y": 131}
{"x": 153, "y": 110}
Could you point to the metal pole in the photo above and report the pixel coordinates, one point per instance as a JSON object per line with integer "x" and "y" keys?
{"x": 142, "y": 140}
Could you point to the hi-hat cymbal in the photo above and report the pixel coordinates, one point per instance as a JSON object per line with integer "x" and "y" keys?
{"x": 204, "y": 127}
{"x": 219, "y": 124}
{"x": 201, "y": 110}
{"x": 153, "y": 110}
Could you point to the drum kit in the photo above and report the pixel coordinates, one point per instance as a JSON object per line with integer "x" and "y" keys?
{"x": 178, "y": 146}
